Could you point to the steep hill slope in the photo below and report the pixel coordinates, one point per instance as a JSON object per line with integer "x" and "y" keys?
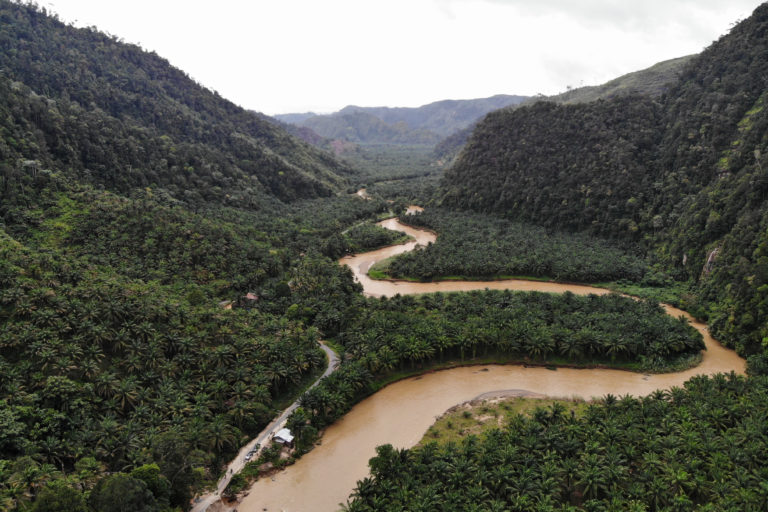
{"x": 653, "y": 81}
{"x": 167, "y": 123}
{"x": 135, "y": 207}
{"x": 685, "y": 174}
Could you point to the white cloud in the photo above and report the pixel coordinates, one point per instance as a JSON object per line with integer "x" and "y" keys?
{"x": 295, "y": 55}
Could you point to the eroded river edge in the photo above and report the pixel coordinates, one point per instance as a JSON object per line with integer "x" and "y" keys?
{"x": 400, "y": 413}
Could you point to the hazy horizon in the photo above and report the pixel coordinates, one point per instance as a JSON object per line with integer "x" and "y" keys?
{"x": 298, "y": 56}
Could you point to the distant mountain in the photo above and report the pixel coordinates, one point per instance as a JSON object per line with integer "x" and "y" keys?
{"x": 441, "y": 117}
{"x": 117, "y": 116}
{"x": 359, "y": 126}
{"x": 304, "y": 133}
{"x": 294, "y": 118}
{"x": 652, "y": 81}
{"x": 402, "y": 125}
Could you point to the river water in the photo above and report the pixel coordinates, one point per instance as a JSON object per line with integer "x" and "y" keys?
{"x": 401, "y": 413}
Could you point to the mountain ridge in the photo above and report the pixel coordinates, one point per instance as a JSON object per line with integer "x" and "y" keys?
{"x": 401, "y": 125}
{"x": 682, "y": 174}
{"x": 652, "y": 81}
{"x": 124, "y": 86}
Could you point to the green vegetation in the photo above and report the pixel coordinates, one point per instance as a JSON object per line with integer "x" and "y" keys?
{"x": 135, "y": 206}
{"x": 472, "y": 245}
{"x": 390, "y": 162}
{"x": 100, "y": 364}
{"x": 482, "y": 417}
{"x": 683, "y": 175}
{"x": 362, "y": 237}
{"x": 121, "y": 117}
{"x": 697, "y": 448}
{"x": 138, "y": 206}
{"x": 405, "y": 173}
{"x": 388, "y": 335}
{"x": 545, "y": 164}
{"x": 651, "y": 82}
{"x": 369, "y": 236}
{"x": 530, "y": 325}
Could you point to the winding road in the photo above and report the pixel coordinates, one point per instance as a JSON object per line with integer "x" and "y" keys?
{"x": 238, "y": 463}
{"x": 401, "y": 412}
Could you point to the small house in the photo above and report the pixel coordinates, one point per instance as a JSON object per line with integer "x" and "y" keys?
{"x": 284, "y": 436}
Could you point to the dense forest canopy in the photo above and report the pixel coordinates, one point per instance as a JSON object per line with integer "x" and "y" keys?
{"x": 137, "y": 207}
{"x": 697, "y": 448}
{"x": 134, "y": 206}
{"x": 125, "y": 118}
{"x": 491, "y": 247}
{"x": 651, "y": 82}
{"x": 405, "y": 332}
{"x": 684, "y": 175}
{"x": 114, "y": 342}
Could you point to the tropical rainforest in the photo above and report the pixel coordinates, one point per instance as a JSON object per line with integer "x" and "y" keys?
{"x": 492, "y": 246}
{"x": 153, "y": 240}
{"x": 682, "y": 177}
{"x": 701, "y": 447}
{"x": 168, "y": 265}
{"x": 405, "y": 333}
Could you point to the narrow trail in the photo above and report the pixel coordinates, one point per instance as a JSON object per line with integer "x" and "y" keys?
{"x": 400, "y": 413}
{"x": 238, "y": 463}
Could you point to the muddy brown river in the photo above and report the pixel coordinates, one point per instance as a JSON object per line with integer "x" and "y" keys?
{"x": 401, "y": 413}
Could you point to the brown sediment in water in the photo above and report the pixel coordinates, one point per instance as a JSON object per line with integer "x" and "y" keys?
{"x": 400, "y": 413}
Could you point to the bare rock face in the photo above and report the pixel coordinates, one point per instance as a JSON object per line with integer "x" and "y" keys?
{"x": 709, "y": 265}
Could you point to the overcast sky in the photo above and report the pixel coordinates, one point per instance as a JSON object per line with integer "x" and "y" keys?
{"x": 280, "y": 56}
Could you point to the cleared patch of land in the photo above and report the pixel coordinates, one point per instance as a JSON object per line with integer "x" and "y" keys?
{"x": 491, "y": 411}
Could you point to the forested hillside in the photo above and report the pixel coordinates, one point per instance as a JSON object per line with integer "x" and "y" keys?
{"x": 167, "y": 266}
{"x": 653, "y": 82}
{"x": 401, "y": 125}
{"x": 589, "y": 159}
{"x": 117, "y": 350}
{"x": 684, "y": 174}
{"x": 359, "y": 126}
{"x": 124, "y": 118}
{"x": 136, "y": 207}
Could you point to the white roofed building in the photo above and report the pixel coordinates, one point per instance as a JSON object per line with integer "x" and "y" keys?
{"x": 283, "y": 436}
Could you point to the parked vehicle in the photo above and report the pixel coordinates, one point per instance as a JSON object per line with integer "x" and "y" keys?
{"x": 252, "y": 452}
